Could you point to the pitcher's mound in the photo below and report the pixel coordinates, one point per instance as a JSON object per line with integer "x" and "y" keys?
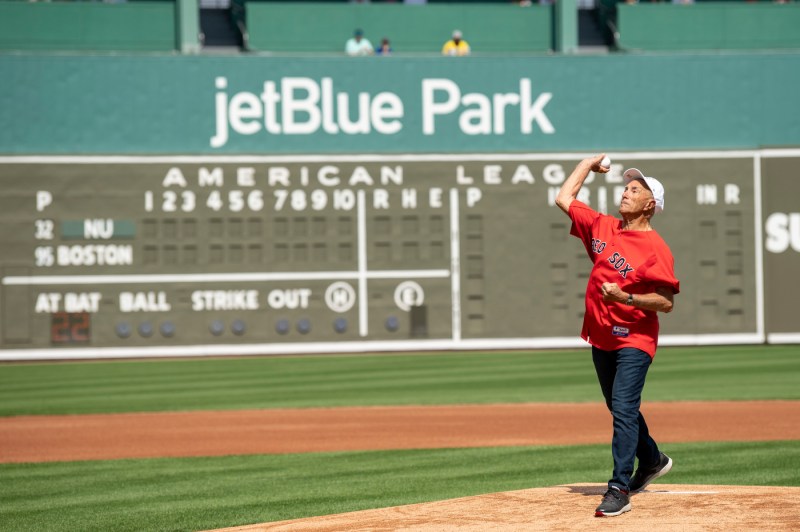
{"x": 662, "y": 507}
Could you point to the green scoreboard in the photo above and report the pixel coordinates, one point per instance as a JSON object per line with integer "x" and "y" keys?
{"x": 200, "y": 255}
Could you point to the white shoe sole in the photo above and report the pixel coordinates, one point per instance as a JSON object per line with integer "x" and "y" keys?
{"x": 661, "y": 473}
{"x": 626, "y": 508}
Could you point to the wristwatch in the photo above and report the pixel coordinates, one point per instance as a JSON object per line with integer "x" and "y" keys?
{"x": 630, "y": 300}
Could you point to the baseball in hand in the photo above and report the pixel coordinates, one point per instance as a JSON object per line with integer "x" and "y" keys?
{"x": 606, "y": 162}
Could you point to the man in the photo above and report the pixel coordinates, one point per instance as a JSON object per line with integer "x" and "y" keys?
{"x": 632, "y": 279}
{"x": 456, "y": 45}
{"x": 358, "y": 44}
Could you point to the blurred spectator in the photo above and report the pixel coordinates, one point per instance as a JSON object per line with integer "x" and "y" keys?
{"x": 456, "y": 45}
{"x": 385, "y": 48}
{"x": 358, "y": 44}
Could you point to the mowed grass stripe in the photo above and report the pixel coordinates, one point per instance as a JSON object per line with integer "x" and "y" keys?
{"x": 344, "y": 385}
{"x": 203, "y": 493}
{"x": 275, "y": 382}
{"x": 707, "y": 373}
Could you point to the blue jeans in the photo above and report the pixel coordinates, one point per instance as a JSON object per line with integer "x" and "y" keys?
{"x": 621, "y": 374}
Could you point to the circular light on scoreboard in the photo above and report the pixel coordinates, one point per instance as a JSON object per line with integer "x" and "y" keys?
{"x": 304, "y": 326}
{"x": 123, "y": 329}
{"x": 340, "y": 325}
{"x": 216, "y": 327}
{"x": 238, "y": 327}
{"x": 282, "y": 326}
{"x": 146, "y": 329}
{"x": 167, "y": 329}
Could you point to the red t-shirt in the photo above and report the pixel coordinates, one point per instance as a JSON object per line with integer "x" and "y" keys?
{"x": 638, "y": 261}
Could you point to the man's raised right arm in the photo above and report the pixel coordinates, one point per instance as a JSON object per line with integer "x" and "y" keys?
{"x": 572, "y": 185}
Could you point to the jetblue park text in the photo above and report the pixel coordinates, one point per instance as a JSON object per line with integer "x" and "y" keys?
{"x": 305, "y": 106}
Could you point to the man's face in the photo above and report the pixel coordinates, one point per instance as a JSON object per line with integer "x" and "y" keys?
{"x": 636, "y": 198}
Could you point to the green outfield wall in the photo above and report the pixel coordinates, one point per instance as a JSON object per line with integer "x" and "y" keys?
{"x": 120, "y": 104}
{"x": 326, "y": 27}
{"x": 187, "y": 255}
{"x": 139, "y": 26}
{"x": 168, "y": 205}
{"x": 709, "y": 26}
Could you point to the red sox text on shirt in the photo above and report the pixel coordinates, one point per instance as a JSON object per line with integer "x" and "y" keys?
{"x": 618, "y": 261}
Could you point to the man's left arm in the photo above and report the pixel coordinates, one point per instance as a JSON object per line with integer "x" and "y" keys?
{"x": 661, "y": 300}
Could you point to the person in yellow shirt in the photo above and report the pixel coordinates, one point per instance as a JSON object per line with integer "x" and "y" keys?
{"x": 456, "y": 45}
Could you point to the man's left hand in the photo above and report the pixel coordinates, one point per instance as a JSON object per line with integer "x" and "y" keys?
{"x": 612, "y": 292}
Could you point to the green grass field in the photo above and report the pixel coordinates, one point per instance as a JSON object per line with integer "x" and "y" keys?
{"x": 202, "y": 493}
{"x": 709, "y": 373}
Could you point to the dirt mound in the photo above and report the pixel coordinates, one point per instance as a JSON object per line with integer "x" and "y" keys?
{"x": 663, "y": 507}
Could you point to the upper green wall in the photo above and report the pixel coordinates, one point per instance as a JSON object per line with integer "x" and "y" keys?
{"x": 146, "y": 26}
{"x": 315, "y": 27}
{"x": 712, "y": 26}
{"x": 166, "y": 103}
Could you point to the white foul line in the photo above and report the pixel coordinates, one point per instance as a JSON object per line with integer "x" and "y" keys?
{"x": 680, "y": 492}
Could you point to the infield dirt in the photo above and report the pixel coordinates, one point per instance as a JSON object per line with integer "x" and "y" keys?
{"x": 567, "y": 508}
{"x": 217, "y": 433}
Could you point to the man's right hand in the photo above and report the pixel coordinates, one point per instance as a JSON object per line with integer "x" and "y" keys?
{"x": 572, "y": 185}
{"x": 594, "y": 164}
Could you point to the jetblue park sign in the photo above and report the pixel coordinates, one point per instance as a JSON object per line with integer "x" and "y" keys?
{"x": 305, "y": 106}
{"x": 270, "y": 105}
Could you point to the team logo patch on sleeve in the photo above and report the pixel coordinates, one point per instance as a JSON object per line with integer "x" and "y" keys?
{"x": 620, "y": 331}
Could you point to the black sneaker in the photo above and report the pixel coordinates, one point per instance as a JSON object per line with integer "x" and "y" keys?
{"x": 643, "y": 477}
{"x": 615, "y": 502}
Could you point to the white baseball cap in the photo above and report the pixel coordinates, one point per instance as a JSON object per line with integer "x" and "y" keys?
{"x": 652, "y": 183}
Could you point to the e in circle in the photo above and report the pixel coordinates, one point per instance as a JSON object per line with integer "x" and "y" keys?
{"x": 408, "y": 294}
